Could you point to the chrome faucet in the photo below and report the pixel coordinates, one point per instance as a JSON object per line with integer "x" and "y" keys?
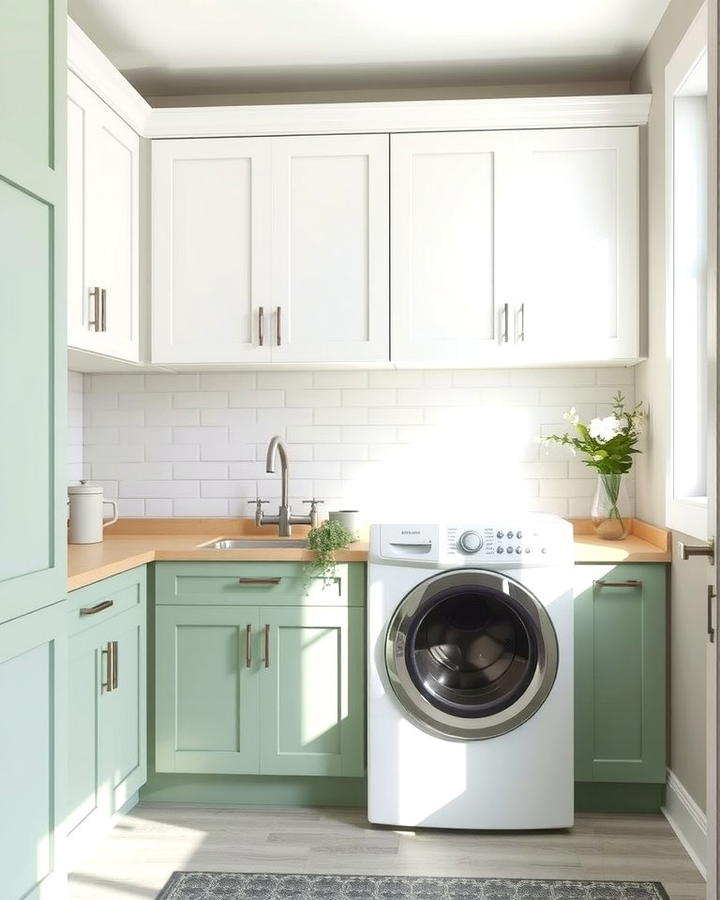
{"x": 284, "y": 519}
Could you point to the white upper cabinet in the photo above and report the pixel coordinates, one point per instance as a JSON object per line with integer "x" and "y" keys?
{"x": 330, "y": 248}
{"x": 515, "y": 247}
{"x": 270, "y": 250}
{"x": 103, "y": 239}
{"x": 211, "y": 285}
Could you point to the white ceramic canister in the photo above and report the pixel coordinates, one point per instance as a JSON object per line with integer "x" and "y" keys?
{"x": 86, "y": 513}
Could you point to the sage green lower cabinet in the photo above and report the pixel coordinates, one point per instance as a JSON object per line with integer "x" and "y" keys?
{"x": 259, "y": 670}
{"x": 107, "y": 704}
{"x": 33, "y": 666}
{"x": 620, "y": 683}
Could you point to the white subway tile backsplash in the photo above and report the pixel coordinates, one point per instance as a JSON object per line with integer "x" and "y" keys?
{"x": 393, "y": 443}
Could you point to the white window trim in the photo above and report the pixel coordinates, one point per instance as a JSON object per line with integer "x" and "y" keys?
{"x": 686, "y": 514}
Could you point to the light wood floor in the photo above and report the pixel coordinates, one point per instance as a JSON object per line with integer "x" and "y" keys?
{"x": 136, "y": 858}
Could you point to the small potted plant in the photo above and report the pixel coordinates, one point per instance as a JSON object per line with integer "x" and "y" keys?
{"x": 608, "y": 445}
{"x": 325, "y": 539}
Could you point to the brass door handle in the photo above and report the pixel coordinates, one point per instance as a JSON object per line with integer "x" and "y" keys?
{"x": 248, "y": 646}
{"x": 93, "y": 610}
{"x": 267, "y": 646}
{"x": 630, "y": 583}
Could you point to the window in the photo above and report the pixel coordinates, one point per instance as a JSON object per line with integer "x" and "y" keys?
{"x": 686, "y": 123}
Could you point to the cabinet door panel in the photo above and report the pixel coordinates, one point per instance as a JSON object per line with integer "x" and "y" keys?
{"x": 330, "y": 248}
{"x": 446, "y": 240}
{"x": 206, "y": 694}
{"x": 32, "y": 685}
{"x": 578, "y": 236}
{"x": 84, "y": 695}
{"x": 122, "y": 725}
{"x": 211, "y": 250}
{"x": 620, "y": 674}
{"x": 312, "y": 721}
{"x": 77, "y": 298}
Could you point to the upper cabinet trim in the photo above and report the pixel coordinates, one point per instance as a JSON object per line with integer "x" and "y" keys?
{"x": 94, "y": 68}
{"x": 416, "y": 115}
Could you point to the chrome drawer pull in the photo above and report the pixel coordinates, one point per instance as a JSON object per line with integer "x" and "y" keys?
{"x": 276, "y": 580}
{"x": 106, "y": 686}
{"x": 92, "y": 610}
{"x": 248, "y": 651}
{"x": 114, "y": 664}
{"x": 630, "y": 583}
{"x": 261, "y": 326}
{"x": 267, "y": 646}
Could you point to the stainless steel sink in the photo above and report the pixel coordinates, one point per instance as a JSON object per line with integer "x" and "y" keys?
{"x": 255, "y": 543}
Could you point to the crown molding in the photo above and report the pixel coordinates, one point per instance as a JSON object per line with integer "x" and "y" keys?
{"x": 91, "y": 65}
{"x": 415, "y": 115}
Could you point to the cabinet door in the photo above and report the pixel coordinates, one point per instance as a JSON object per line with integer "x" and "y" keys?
{"x": 32, "y": 752}
{"x": 122, "y": 734}
{"x": 103, "y": 199}
{"x": 576, "y": 219}
{"x": 452, "y": 246}
{"x": 206, "y": 660}
{"x": 330, "y": 223}
{"x": 211, "y": 250}
{"x": 620, "y": 673}
{"x": 312, "y": 690}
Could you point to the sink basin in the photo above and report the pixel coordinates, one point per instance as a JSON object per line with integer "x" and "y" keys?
{"x": 255, "y": 543}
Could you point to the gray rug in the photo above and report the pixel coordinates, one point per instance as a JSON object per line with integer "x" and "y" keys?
{"x": 235, "y": 886}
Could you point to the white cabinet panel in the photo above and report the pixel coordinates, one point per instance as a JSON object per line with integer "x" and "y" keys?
{"x": 211, "y": 251}
{"x": 330, "y": 248}
{"x": 103, "y": 238}
{"x": 514, "y": 248}
{"x": 579, "y": 216}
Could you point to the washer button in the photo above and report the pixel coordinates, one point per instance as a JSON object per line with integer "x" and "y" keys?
{"x": 470, "y": 542}
{"x": 500, "y": 535}
{"x": 518, "y": 535}
{"x": 510, "y": 535}
{"x": 527, "y": 549}
{"x": 499, "y": 550}
{"x": 518, "y": 549}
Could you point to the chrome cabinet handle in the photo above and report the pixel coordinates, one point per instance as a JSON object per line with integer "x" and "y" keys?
{"x": 278, "y": 326}
{"x": 267, "y": 646}
{"x": 114, "y": 664}
{"x": 251, "y": 580}
{"x": 521, "y": 336}
{"x": 261, "y": 326}
{"x": 506, "y": 314}
{"x": 103, "y": 310}
{"x": 630, "y": 583}
{"x": 248, "y": 647}
{"x": 93, "y": 610}
{"x": 94, "y": 323}
{"x": 106, "y": 686}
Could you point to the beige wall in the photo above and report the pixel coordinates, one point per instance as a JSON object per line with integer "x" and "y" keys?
{"x": 687, "y": 615}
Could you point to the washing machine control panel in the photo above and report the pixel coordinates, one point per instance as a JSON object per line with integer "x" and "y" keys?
{"x": 513, "y": 543}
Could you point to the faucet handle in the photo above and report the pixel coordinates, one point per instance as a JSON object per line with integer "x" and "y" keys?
{"x": 313, "y": 511}
{"x": 258, "y": 502}
{"x": 258, "y": 509}
{"x": 313, "y": 502}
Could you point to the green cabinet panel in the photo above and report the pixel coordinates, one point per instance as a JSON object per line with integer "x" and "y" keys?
{"x": 32, "y": 305}
{"x": 206, "y": 694}
{"x": 255, "y": 584}
{"x": 620, "y": 680}
{"x": 311, "y": 692}
{"x": 107, "y": 703}
{"x": 32, "y": 690}
{"x": 243, "y": 688}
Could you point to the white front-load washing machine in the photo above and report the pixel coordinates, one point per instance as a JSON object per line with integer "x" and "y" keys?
{"x": 470, "y": 674}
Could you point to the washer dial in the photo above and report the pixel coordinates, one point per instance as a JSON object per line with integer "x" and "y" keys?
{"x": 470, "y": 542}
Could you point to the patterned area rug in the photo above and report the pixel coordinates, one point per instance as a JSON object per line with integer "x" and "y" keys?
{"x": 235, "y": 886}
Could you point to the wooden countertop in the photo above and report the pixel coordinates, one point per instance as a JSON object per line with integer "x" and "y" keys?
{"x": 135, "y": 542}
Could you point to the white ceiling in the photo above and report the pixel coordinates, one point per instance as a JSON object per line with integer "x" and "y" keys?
{"x": 205, "y": 46}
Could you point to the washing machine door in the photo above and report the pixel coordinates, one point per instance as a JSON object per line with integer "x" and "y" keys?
{"x": 471, "y": 654}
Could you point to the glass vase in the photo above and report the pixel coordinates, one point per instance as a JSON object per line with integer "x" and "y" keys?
{"x": 610, "y": 508}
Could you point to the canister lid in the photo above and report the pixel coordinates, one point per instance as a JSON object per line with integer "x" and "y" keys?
{"x": 85, "y": 487}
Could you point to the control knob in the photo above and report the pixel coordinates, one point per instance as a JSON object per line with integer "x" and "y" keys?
{"x": 470, "y": 542}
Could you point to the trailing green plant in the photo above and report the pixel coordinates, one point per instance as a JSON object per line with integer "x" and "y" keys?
{"x": 324, "y": 541}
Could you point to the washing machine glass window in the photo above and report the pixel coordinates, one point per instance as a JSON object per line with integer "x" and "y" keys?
{"x": 471, "y": 654}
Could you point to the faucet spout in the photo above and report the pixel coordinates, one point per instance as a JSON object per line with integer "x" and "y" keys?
{"x": 277, "y": 448}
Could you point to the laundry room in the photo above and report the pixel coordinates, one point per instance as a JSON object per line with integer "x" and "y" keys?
{"x": 358, "y": 495}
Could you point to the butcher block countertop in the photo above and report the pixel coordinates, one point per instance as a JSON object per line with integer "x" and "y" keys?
{"x": 134, "y": 542}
